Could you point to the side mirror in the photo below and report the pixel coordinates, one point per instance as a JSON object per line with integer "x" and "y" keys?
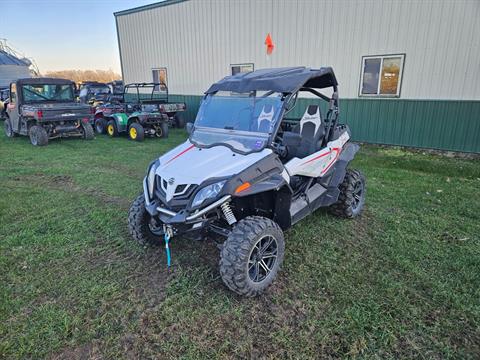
{"x": 189, "y": 127}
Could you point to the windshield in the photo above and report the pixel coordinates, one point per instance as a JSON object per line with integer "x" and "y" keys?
{"x": 47, "y": 92}
{"x": 243, "y": 122}
{"x": 116, "y": 89}
{"x": 99, "y": 89}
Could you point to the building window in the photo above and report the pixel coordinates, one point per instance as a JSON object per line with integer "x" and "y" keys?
{"x": 381, "y": 75}
{"x": 241, "y": 68}
{"x": 159, "y": 76}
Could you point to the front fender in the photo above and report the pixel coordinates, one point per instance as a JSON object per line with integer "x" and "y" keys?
{"x": 274, "y": 182}
{"x": 121, "y": 119}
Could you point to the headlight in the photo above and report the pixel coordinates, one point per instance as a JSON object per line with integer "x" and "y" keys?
{"x": 208, "y": 192}
{"x": 151, "y": 177}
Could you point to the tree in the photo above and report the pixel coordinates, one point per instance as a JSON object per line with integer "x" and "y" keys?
{"x": 85, "y": 75}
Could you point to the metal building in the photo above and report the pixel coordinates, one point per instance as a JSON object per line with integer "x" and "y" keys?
{"x": 409, "y": 71}
{"x": 11, "y": 66}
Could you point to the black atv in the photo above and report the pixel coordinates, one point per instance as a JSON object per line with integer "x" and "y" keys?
{"x": 248, "y": 172}
{"x": 45, "y": 108}
{"x": 94, "y": 93}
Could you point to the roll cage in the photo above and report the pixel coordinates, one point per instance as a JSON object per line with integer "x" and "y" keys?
{"x": 153, "y": 86}
{"x": 290, "y": 82}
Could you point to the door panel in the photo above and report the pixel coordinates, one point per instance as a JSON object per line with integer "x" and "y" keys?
{"x": 12, "y": 108}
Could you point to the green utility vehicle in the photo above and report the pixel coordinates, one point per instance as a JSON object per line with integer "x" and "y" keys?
{"x": 144, "y": 111}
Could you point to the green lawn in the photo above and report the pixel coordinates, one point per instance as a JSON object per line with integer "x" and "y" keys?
{"x": 401, "y": 281}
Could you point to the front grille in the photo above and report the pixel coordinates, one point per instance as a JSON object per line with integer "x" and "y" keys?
{"x": 181, "y": 193}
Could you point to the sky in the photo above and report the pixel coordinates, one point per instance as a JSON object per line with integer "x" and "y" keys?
{"x": 65, "y": 34}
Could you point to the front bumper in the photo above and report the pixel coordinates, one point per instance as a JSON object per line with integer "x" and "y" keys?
{"x": 71, "y": 118}
{"x": 181, "y": 221}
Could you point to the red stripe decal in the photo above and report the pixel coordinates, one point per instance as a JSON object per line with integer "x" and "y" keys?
{"x": 180, "y": 154}
{"x": 316, "y": 158}
{"x": 337, "y": 150}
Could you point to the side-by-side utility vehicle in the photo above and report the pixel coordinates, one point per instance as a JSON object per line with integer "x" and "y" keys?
{"x": 248, "y": 172}
{"x": 94, "y": 93}
{"x": 45, "y": 108}
{"x": 144, "y": 110}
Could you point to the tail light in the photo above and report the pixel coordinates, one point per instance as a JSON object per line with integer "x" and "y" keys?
{"x": 39, "y": 114}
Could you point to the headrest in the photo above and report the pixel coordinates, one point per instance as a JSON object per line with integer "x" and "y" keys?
{"x": 312, "y": 115}
{"x": 265, "y": 118}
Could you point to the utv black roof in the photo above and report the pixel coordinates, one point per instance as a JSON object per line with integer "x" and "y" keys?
{"x": 285, "y": 80}
{"x": 93, "y": 83}
{"x": 44, "y": 80}
{"x": 144, "y": 84}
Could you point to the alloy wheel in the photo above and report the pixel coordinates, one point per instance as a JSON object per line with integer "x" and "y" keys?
{"x": 357, "y": 194}
{"x": 262, "y": 258}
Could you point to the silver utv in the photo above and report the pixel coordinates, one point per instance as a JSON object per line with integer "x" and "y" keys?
{"x": 248, "y": 172}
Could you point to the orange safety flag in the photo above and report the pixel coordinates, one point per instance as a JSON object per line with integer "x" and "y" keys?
{"x": 269, "y": 43}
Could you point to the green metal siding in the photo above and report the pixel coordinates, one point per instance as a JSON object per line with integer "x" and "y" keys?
{"x": 192, "y": 102}
{"x": 435, "y": 124}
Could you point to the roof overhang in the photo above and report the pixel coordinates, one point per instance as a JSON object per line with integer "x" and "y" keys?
{"x": 147, "y": 7}
{"x": 285, "y": 80}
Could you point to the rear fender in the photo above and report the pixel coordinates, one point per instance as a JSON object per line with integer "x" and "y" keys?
{"x": 132, "y": 119}
{"x": 336, "y": 174}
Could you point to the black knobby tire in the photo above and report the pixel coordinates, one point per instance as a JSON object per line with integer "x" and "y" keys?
{"x": 100, "y": 125}
{"x": 352, "y": 195}
{"x": 139, "y": 132}
{"x": 138, "y": 223}
{"x": 179, "y": 120}
{"x": 164, "y": 128}
{"x": 88, "y": 133}
{"x": 113, "y": 131}
{"x": 38, "y": 136}
{"x": 9, "y": 128}
{"x": 237, "y": 258}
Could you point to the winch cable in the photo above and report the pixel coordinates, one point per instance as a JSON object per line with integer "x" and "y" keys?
{"x": 167, "y": 248}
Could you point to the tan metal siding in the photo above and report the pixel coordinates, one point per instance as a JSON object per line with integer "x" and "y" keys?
{"x": 197, "y": 40}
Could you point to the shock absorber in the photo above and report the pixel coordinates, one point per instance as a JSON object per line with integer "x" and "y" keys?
{"x": 228, "y": 213}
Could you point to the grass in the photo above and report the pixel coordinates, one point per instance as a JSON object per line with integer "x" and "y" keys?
{"x": 401, "y": 281}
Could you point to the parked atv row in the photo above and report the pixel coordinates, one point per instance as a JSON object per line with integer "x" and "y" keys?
{"x": 143, "y": 111}
{"x": 46, "y": 108}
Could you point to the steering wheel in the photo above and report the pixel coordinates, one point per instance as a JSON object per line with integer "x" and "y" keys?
{"x": 280, "y": 149}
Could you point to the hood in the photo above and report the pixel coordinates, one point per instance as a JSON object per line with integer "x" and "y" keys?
{"x": 188, "y": 164}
